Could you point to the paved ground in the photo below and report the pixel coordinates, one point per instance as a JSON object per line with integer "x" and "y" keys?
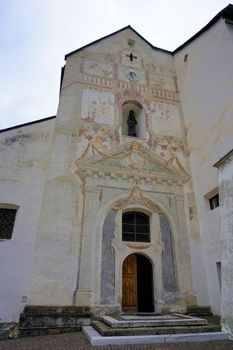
{"x": 76, "y": 341}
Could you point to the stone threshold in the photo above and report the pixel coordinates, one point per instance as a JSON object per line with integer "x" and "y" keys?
{"x": 95, "y": 339}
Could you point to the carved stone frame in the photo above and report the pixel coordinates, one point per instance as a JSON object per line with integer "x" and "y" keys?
{"x": 152, "y": 251}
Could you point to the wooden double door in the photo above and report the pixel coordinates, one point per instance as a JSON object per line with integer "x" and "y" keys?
{"x": 137, "y": 284}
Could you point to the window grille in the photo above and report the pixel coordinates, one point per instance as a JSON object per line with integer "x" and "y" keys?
{"x": 135, "y": 227}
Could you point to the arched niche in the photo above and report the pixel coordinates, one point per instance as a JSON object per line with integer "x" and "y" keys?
{"x": 139, "y": 115}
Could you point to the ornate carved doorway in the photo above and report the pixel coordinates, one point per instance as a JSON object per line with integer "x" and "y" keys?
{"x": 137, "y": 284}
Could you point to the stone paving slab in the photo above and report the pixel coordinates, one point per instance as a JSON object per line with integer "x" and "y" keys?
{"x": 77, "y": 341}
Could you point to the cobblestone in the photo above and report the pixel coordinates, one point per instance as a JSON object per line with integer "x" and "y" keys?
{"x": 77, "y": 341}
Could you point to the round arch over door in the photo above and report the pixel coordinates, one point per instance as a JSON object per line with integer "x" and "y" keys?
{"x": 137, "y": 284}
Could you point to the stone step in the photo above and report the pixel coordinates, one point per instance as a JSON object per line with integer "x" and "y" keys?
{"x": 106, "y": 330}
{"x": 136, "y": 321}
{"x": 96, "y": 339}
{"x": 212, "y": 319}
{"x": 199, "y": 310}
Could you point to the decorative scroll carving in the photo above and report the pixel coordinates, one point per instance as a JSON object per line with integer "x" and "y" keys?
{"x": 131, "y": 160}
{"x": 136, "y": 196}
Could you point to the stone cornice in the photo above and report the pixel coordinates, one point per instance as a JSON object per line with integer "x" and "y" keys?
{"x": 132, "y": 162}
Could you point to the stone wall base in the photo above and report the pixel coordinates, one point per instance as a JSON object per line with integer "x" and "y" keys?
{"x": 43, "y": 320}
{"x": 175, "y": 302}
{"x": 100, "y": 310}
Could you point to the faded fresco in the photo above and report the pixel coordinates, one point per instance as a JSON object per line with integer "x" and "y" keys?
{"x": 90, "y": 140}
{"x": 165, "y": 119}
{"x": 172, "y": 149}
{"x": 98, "y": 107}
{"x": 163, "y": 82}
{"x": 98, "y": 68}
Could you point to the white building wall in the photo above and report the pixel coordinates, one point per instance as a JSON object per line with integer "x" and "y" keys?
{"x": 225, "y": 166}
{"x": 24, "y": 154}
{"x": 205, "y": 84}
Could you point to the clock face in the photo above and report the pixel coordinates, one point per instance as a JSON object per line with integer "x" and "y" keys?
{"x": 132, "y": 74}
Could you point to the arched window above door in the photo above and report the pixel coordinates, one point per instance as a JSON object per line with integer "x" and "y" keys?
{"x": 133, "y": 120}
{"x": 135, "y": 227}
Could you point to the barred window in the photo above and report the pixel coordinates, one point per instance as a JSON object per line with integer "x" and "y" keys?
{"x": 135, "y": 227}
{"x": 7, "y": 220}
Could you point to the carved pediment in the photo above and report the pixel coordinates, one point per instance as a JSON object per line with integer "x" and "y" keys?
{"x": 130, "y": 158}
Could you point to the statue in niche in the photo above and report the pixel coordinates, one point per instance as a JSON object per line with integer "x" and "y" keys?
{"x": 132, "y": 122}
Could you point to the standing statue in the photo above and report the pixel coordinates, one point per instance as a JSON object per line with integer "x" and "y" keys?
{"x": 132, "y": 122}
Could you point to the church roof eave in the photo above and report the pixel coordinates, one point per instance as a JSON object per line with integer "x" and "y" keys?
{"x": 226, "y": 13}
{"x": 27, "y": 124}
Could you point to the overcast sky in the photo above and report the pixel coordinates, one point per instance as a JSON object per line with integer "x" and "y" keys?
{"x": 36, "y": 34}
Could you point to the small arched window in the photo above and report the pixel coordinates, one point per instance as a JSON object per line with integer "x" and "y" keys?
{"x": 135, "y": 227}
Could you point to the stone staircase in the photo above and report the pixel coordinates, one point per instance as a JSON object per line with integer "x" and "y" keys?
{"x": 151, "y": 328}
{"x": 199, "y": 311}
{"x": 203, "y": 312}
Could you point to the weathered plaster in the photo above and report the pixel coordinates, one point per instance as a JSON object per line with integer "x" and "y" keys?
{"x": 24, "y": 157}
{"x": 205, "y": 87}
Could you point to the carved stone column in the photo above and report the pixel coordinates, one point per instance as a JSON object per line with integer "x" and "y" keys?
{"x": 156, "y": 238}
{"x": 84, "y": 295}
{"x": 182, "y": 251}
{"x": 168, "y": 271}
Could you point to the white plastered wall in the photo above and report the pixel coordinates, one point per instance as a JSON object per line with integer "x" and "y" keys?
{"x": 205, "y": 84}
{"x": 24, "y": 153}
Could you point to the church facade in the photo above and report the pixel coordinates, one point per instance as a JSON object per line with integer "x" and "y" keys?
{"x": 113, "y": 203}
